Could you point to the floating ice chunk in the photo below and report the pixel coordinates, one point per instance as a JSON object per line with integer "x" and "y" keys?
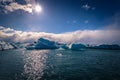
{"x": 77, "y": 47}
{"x": 46, "y": 44}
{"x": 59, "y": 54}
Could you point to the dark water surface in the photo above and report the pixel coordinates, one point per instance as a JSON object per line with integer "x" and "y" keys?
{"x": 60, "y": 65}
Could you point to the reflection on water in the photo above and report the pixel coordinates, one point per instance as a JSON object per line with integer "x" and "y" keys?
{"x": 34, "y": 64}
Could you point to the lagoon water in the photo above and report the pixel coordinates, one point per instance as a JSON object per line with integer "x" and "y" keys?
{"x": 59, "y": 65}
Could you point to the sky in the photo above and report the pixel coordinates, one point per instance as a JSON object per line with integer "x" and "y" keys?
{"x": 85, "y": 18}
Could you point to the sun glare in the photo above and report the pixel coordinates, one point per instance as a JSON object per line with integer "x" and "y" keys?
{"x": 38, "y": 8}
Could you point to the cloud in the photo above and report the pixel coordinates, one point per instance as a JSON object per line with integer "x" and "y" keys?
{"x": 3, "y": 1}
{"x": 15, "y": 6}
{"x": 81, "y": 36}
{"x": 87, "y": 7}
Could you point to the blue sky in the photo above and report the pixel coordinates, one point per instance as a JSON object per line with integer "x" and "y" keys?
{"x": 59, "y": 16}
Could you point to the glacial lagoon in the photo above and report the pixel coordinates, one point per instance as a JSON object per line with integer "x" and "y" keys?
{"x": 21, "y": 64}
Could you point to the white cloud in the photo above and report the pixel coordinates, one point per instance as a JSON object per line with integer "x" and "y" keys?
{"x": 15, "y": 6}
{"x": 3, "y": 1}
{"x": 85, "y": 36}
{"x": 87, "y": 7}
{"x": 12, "y": 5}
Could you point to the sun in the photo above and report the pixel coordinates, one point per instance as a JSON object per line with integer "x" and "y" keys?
{"x": 38, "y": 8}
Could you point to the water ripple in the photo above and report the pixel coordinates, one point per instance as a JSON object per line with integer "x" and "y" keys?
{"x": 34, "y": 64}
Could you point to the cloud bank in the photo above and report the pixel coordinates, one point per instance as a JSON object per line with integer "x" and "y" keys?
{"x": 93, "y": 37}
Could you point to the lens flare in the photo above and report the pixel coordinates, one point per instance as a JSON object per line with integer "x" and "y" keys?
{"x": 38, "y": 8}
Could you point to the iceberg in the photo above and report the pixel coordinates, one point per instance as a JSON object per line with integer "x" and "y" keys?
{"x": 64, "y": 46}
{"x": 77, "y": 47}
{"x": 5, "y": 45}
{"x": 46, "y": 44}
{"x": 108, "y": 47}
{"x": 30, "y": 47}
